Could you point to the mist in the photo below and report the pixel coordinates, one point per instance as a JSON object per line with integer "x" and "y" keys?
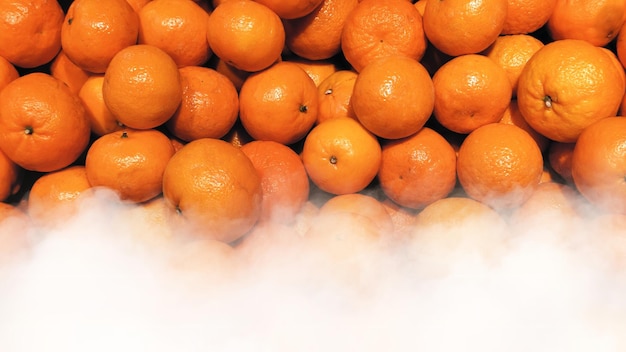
{"x": 108, "y": 280}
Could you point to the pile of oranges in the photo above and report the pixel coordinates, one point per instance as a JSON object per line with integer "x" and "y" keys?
{"x": 242, "y": 121}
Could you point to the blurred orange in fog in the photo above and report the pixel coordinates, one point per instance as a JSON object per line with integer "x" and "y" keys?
{"x": 345, "y": 240}
{"x": 418, "y": 170}
{"x": 453, "y": 228}
{"x": 246, "y": 35}
{"x": 142, "y": 86}
{"x": 286, "y": 93}
{"x": 376, "y": 29}
{"x": 55, "y": 196}
{"x": 95, "y": 30}
{"x": 30, "y": 31}
{"x": 403, "y": 220}
{"x": 130, "y": 162}
{"x": 214, "y": 189}
{"x": 599, "y": 164}
{"x": 15, "y": 226}
{"x": 284, "y": 179}
{"x": 209, "y": 107}
{"x": 550, "y": 204}
{"x": 341, "y": 156}
{"x": 500, "y": 165}
{"x": 178, "y": 27}
{"x": 359, "y": 204}
{"x": 42, "y": 123}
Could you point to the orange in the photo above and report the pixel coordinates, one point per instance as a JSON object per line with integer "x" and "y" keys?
{"x": 284, "y": 180}
{"x": 42, "y": 123}
{"x": 137, "y": 4}
{"x": 278, "y": 104}
{"x": 237, "y": 136}
{"x": 420, "y": 5}
{"x": 8, "y": 72}
{"x": 560, "y": 159}
{"x": 318, "y": 70}
{"x": 235, "y": 75}
{"x": 393, "y": 97}
{"x": 215, "y": 190}
{"x": 566, "y": 86}
{"x": 599, "y": 164}
{"x": 30, "y": 31}
{"x": 130, "y": 162}
{"x": 417, "y": 170}
{"x": 375, "y": 29}
{"x": 511, "y": 52}
{"x": 317, "y": 36}
{"x": 597, "y": 22}
{"x": 456, "y": 28}
{"x": 100, "y": 117}
{"x": 291, "y": 9}
{"x": 209, "y": 107}
{"x": 359, "y": 204}
{"x": 95, "y": 30}
{"x": 620, "y": 46}
{"x": 142, "y": 86}
{"x": 527, "y": 16}
{"x": 470, "y": 91}
{"x": 341, "y": 156}
{"x": 65, "y": 70}
{"x": 178, "y": 27}
{"x": 54, "y": 198}
{"x": 499, "y": 165}
{"x": 512, "y": 116}
{"x": 10, "y": 177}
{"x": 334, "y": 95}
{"x": 256, "y": 30}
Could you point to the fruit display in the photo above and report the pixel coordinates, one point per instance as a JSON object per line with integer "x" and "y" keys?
{"x": 222, "y": 136}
